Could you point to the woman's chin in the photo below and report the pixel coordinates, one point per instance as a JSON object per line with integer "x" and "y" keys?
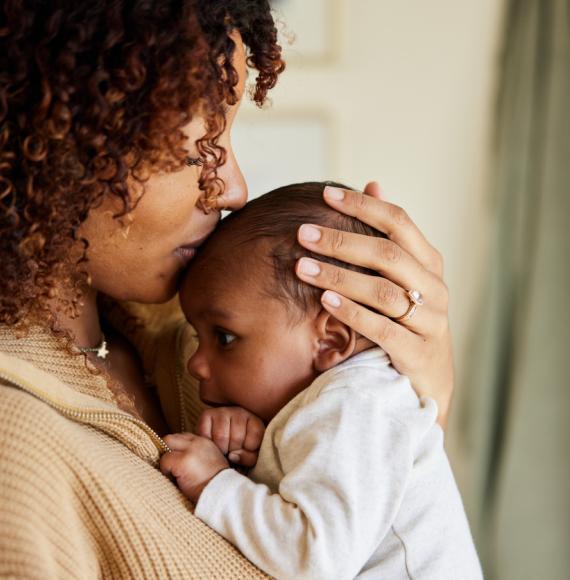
{"x": 146, "y": 283}
{"x": 163, "y": 291}
{"x": 149, "y": 291}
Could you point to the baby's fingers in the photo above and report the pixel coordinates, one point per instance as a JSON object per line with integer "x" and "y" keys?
{"x": 243, "y": 457}
{"x": 254, "y": 435}
{"x": 221, "y": 432}
{"x": 169, "y": 462}
{"x": 179, "y": 441}
{"x": 238, "y": 427}
{"x": 204, "y": 426}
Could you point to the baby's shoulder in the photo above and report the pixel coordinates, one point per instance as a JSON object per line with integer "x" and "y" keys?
{"x": 369, "y": 374}
{"x": 369, "y": 380}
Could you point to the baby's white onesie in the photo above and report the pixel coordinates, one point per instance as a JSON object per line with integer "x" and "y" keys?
{"x": 352, "y": 480}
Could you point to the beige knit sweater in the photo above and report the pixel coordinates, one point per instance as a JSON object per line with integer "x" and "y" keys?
{"x": 80, "y": 492}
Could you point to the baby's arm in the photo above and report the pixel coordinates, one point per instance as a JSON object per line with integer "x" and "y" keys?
{"x": 224, "y": 431}
{"x": 346, "y": 466}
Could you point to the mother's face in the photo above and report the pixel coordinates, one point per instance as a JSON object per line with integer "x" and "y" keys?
{"x": 142, "y": 260}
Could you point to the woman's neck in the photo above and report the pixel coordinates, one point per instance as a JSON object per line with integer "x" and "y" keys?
{"x": 85, "y": 327}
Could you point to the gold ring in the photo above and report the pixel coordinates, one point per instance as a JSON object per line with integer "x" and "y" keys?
{"x": 416, "y": 299}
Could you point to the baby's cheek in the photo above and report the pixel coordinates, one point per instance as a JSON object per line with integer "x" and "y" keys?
{"x": 253, "y": 386}
{"x": 283, "y": 382}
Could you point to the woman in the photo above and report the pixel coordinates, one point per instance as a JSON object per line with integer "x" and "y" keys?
{"x": 115, "y": 160}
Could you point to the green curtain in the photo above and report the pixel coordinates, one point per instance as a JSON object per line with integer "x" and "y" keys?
{"x": 514, "y": 403}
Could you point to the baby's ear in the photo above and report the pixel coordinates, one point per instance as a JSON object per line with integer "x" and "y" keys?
{"x": 336, "y": 341}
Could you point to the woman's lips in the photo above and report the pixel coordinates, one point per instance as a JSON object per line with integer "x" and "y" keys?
{"x": 188, "y": 251}
{"x": 185, "y": 253}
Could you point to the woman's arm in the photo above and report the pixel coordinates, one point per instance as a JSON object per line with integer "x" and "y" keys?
{"x": 419, "y": 347}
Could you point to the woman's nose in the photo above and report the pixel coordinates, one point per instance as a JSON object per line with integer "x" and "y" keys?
{"x": 235, "y": 191}
{"x": 198, "y": 366}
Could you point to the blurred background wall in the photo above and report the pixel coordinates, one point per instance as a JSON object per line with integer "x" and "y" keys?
{"x": 402, "y": 93}
{"x": 460, "y": 110}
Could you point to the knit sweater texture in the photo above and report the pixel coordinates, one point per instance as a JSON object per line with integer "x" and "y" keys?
{"x": 81, "y": 495}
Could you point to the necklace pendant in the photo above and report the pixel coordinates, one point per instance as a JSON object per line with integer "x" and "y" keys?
{"x": 102, "y": 351}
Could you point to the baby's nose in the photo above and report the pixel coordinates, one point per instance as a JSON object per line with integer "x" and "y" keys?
{"x": 198, "y": 366}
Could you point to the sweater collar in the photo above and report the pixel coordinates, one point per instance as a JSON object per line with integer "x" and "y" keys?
{"x": 39, "y": 365}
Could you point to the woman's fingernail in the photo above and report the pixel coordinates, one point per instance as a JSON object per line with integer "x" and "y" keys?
{"x": 309, "y": 267}
{"x": 334, "y": 193}
{"x": 309, "y": 233}
{"x": 332, "y": 299}
{"x": 233, "y": 457}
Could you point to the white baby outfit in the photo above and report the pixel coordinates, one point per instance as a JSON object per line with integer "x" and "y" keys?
{"x": 352, "y": 480}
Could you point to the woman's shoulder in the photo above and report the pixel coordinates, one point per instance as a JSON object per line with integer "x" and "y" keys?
{"x": 36, "y": 459}
{"x": 39, "y": 478}
{"x": 24, "y": 416}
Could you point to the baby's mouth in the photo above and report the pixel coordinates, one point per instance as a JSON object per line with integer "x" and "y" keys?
{"x": 212, "y": 404}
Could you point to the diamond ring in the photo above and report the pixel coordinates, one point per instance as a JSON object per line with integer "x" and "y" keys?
{"x": 416, "y": 299}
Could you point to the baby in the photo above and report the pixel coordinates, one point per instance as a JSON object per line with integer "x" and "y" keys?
{"x": 352, "y": 478}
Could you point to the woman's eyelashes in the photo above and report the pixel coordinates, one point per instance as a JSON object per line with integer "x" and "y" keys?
{"x": 193, "y": 161}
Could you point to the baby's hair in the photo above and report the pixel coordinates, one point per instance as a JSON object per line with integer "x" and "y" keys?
{"x": 276, "y": 217}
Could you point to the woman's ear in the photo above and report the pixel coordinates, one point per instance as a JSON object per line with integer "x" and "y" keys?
{"x": 336, "y": 341}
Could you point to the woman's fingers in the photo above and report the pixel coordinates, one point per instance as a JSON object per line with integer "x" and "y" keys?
{"x": 374, "y": 291}
{"x": 378, "y": 254}
{"x": 373, "y": 189}
{"x": 426, "y": 360}
{"x": 388, "y": 218}
{"x": 390, "y": 335}
{"x": 419, "y": 347}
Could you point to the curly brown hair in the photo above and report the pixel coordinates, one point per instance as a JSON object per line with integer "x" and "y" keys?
{"x": 93, "y": 93}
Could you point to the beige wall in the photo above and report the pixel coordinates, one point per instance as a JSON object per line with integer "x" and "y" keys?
{"x": 406, "y": 98}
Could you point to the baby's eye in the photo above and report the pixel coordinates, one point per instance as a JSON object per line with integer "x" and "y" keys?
{"x": 191, "y": 161}
{"x": 225, "y": 338}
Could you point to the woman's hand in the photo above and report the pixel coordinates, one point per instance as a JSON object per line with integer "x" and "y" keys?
{"x": 419, "y": 347}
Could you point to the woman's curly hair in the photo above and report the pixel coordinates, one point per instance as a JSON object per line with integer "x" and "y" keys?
{"x": 93, "y": 93}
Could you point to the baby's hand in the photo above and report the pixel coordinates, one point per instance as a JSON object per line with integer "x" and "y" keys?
{"x": 193, "y": 461}
{"x": 236, "y": 432}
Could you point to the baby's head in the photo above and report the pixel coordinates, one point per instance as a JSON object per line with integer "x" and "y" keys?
{"x": 263, "y": 334}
